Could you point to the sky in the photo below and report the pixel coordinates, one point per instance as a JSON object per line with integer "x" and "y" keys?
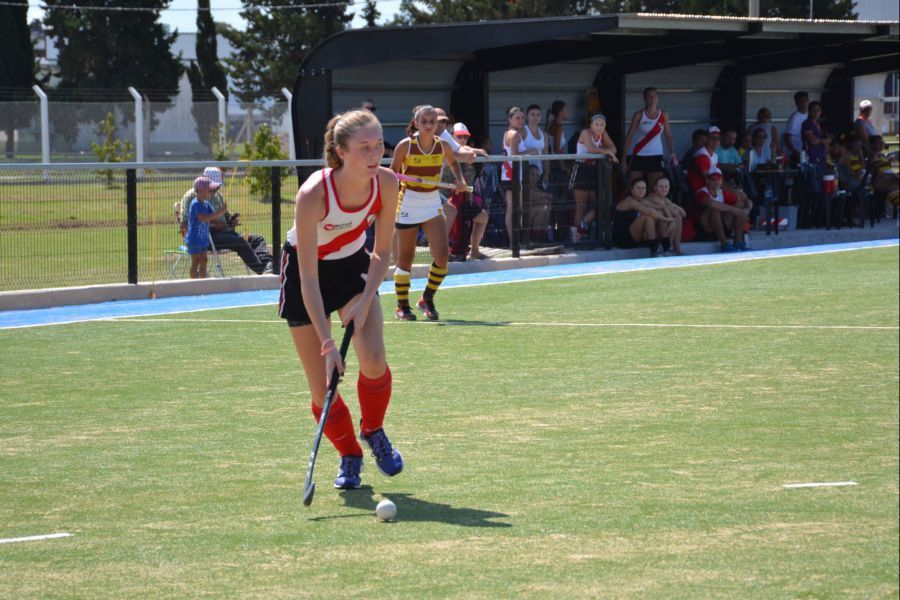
{"x": 182, "y": 14}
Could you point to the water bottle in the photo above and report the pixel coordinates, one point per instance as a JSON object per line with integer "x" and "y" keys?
{"x": 804, "y": 159}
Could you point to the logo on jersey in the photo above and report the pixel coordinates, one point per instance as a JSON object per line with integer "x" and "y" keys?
{"x": 369, "y": 220}
{"x": 337, "y": 226}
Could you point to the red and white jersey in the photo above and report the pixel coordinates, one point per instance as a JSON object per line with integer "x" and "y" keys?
{"x": 702, "y": 163}
{"x": 703, "y": 195}
{"x": 650, "y": 130}
{"x": 342, "y": 231}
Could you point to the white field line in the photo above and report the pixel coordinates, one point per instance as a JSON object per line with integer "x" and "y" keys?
{"x": 35, "y": 538}
{"x": 793, "y": 486}
{"x": 535, "y": 324}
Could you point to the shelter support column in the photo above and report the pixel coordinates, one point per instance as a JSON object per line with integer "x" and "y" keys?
{"x": 837, "y": 101}
{"x": 610, "y": 86}
{"x": 313, "y": 93}
{"x": 469, "y": 99}
{"x": 728, "y": 103}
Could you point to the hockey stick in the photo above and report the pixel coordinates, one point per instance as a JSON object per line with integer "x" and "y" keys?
{"x": 309, "y": 488}
{"x": 437, "y": 184}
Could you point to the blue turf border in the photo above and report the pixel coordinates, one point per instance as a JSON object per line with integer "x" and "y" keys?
{"x": 141, "y": 308}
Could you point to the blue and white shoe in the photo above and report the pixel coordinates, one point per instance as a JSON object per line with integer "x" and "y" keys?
{"x": 386, "y": 456}
{"x": 729, "y": 247}
{"x": 744, "y": 247}
{"x": 348, "y": 477}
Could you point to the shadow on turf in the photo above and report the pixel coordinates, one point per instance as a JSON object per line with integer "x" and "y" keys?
{"x": 410, "y": 508}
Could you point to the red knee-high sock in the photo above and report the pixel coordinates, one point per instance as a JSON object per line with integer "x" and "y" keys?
{"x": 374, "y": 397}
{"x": 339, "y": 428}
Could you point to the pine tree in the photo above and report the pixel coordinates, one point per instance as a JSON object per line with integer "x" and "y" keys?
{"x": 370, "y": 13}
{"x": 17, "y": 69}
{"x": 275, "y": 42}
{"x": 206, "y": 73}
{"x": 105, "y": 52}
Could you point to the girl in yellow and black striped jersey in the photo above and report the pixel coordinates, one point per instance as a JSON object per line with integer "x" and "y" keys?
{"x": 422, "y": 155}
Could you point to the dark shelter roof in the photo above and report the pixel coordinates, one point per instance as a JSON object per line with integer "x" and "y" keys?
{"x": 621, "y": 44}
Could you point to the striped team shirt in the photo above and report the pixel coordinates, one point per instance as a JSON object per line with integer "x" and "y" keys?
{"x": 419, "y": 164}
{"x": 342, "y": 231}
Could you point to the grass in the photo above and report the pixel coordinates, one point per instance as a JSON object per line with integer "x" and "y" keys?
{"x": 549, "y": 451}
{"x": 72, "y": 229}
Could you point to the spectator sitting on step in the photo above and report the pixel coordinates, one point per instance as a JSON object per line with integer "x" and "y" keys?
{"x": 721, "y": 211}
{"x": 635, "y": 221}
{"x": 252, "y": 248}
{"x": 668, "y": 231}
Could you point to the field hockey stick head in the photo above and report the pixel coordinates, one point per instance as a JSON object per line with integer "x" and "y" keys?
{"x": 309, "y": 487}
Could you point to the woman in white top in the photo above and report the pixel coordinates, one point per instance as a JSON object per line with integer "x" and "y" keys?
{"x": 537, "y": 199}
{"x": 592, "y": 140}
{"x": 652, "y": 123}
{"x": 764, "y": 124}
{"x": 513, "y": 145}
{"x": 759, "y": 153}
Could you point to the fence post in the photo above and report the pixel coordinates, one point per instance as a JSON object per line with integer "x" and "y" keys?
{"x": 138, "y": 123}
{"x": 515, "y": 211}
{"x": 131, "y": 204}
{"x": 292, "y": 152}
{"x": 604, "y": 204}
{"x": 276, "y": 219}
{"x": 220, "y": 99}
{"x": 45, "y": 126}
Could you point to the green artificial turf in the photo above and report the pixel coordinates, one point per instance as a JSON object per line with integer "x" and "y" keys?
{"x": 554, "y": 447}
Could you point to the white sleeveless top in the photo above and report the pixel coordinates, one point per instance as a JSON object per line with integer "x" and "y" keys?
{"x": 342, "y": 232}
{"x": 506, "y": 168}
{"x": 654, "y": 146}
{"x": 582, "y": 149}
{"x": 534, "y": 143}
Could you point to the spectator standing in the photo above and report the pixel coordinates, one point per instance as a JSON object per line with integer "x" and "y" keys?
{"x": 721, "y": 211}
{"x": 815, "y": 139}
{"x": 583, "y": 183}
{"x": 251, "y": 247}
{"x": 636, "y": 221}
{"x": 556, "y": 127}
{"x": 537, "y": 200}
{"x": 200, "y": 213}
{"x": 863, "y": 127}
{"x": 472, "y": 216}
{"x": 647, "y": 156}
{"x": 513, "y": 145}
{"x": 764, "y": 123}
{"x": 792, "y": 136}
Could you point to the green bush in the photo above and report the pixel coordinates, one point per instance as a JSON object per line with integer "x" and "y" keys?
{"x": 265, "y": 146}
{"x": 220, "y": 152}
{"x": 112, "y": 149}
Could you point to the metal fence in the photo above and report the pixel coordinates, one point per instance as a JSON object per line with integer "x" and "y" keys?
{"x": 84, "y": 224}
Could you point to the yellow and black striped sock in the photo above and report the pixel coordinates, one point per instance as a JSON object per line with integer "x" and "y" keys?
{"x": 401, "y": 287}
{"x": 436, "y": 276}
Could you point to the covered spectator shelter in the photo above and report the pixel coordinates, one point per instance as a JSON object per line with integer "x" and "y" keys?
{"x": 708, "y": 69}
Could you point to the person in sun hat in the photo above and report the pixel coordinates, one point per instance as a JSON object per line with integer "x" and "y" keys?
{"x": 251, "y": 247}
{"x": 200, "y": 213}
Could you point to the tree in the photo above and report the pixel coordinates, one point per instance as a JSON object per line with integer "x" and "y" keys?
{"x": 206, "y": 73}
{"x": 415, "y": 12}
{"x": 275, "y": 42}
{"x": 797, "y": 9}
{"x": 112, "y": 149}
{"x": 370, "y": 13}
{"x": 106, "y": 51}
{"x": 17, "y": 68}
